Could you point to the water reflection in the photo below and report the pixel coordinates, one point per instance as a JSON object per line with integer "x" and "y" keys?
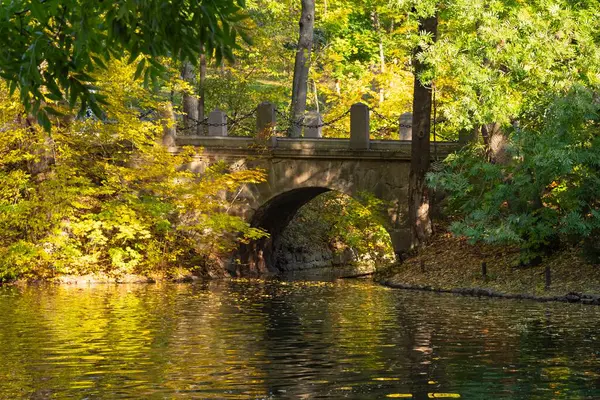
{"x": 254, "y": 339}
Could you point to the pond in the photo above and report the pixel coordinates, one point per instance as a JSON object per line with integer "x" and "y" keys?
{"x": 246, "y": 339}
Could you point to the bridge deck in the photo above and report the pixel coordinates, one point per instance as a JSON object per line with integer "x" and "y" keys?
{"x": 280, "y": 147}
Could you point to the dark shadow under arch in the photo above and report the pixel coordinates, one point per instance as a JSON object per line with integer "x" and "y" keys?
{"x": 277, "y": 213}
{"x": 273, "y": 217}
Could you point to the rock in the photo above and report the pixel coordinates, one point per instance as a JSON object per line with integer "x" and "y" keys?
{"x": 573, "y": 297}
{"x": 482, "y": 292}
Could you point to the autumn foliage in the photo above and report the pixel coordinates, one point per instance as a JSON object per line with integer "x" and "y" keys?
{"x": 102, "y": 195}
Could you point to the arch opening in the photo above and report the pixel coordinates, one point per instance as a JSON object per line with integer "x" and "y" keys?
{"x": 312, "y": 227}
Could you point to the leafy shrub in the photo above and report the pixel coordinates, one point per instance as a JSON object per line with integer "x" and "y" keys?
{"x": 105, "y": 196}
{"x": 548, "y": 191}
{"x": 340, "y": 222}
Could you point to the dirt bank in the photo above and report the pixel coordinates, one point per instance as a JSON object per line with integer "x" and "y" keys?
{"x": 449, "y": 264}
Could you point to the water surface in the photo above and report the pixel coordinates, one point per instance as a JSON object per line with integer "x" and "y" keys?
{"x": 262, "y": 340}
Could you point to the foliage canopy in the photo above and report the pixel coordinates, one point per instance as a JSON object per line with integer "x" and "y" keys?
{"x": 55, "y": 46}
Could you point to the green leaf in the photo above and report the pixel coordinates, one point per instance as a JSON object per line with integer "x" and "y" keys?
{"x": 53, "y": 111}
{"x": 53, "y": 87}
{"x": 139, "y": 69}
{"x": 37, "y": 10}
{"x": 96, "y": 109}
{"x": 43, "y": 120}
{"x": 75, "y": 91}
{"x": 99, "y": 62}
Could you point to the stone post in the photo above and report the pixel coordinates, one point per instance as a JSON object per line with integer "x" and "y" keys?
{"x": 265, "y": 119}
{"x": 405, "y": 122}
{"x": 359, "y": 127}
{"x": 219, "y": 119}
{"x": 313, "y": 118}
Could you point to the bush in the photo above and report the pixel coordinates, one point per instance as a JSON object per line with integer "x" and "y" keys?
{"x": 104, "y": 196}
{"x": 548, "y": 191}
{"x": 341, "y": 222}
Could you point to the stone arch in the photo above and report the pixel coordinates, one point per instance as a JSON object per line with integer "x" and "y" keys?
{"x": 274, "y": 215}
{"x": 313, "y": 166}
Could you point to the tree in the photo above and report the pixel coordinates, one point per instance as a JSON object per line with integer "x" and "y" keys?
{"x": 419, "y": 201}
{"x": 56, "y": 46}
{"x": 546, "y": 194}
{"x": 201, "y": 94}
{"x": 113, "y": 200}
{"x": 190, "y": 104}
{"x": 300, "y": 83}
{"x": 530, "y": 70}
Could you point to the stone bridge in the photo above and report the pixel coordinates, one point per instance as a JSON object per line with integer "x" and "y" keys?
{"x": 298, "y": 170}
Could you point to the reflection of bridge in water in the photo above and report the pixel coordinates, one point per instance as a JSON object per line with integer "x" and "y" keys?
{"x": 300, "y": 169}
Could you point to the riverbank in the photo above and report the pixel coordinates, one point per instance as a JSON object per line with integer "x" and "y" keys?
{"x": 449, "y": 264}
{"x": 182, "y": 276}
{"x": 330, "y": 273}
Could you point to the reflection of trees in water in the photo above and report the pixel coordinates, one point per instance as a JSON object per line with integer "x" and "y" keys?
{"x": 85, "y": 332}
{"x": 260, "y": 338}
{"x": 114, "y": 338}
{"x": 559, "y": 354}
{"x": 324, "y": 338}
{"x": 418, "y": 352}
{"x": 220, "y": 347}
{"x": 290, "y": 347}
{"x": 481, "y": 346}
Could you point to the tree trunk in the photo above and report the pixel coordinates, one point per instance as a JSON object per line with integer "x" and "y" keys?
{"x": 418, "y": 206}
{"x": 301, "y": 66}
{"x": 377, "y": 27}
{"x": 201, "y": 111}
{"x": 495, "y": 142}
{"x": 316, "y": 95}
{"x": 167, "y": 116}
{"x": 190, "y": 101}
{"x": 382, "y": 71}
{"x": 45, "y": 155}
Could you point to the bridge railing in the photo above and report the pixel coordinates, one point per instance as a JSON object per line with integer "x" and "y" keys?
{"x": 266, "y": 114}
{"x": 217, "y": 124}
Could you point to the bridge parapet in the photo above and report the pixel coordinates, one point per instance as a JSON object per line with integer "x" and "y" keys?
{"x": 309, "y": 148}
{"x": 266, "y": 115}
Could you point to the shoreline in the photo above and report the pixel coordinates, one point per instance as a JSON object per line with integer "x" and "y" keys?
{"x": 444, "y": 265}
{"x": 325, "y": 274}
{"x": 86, "y": 280}
{"x": 100, "y": 279}
{"x": 571, "y": 297}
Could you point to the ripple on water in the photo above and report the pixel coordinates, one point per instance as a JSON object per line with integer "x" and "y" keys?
{"x": 260, "y": 339}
